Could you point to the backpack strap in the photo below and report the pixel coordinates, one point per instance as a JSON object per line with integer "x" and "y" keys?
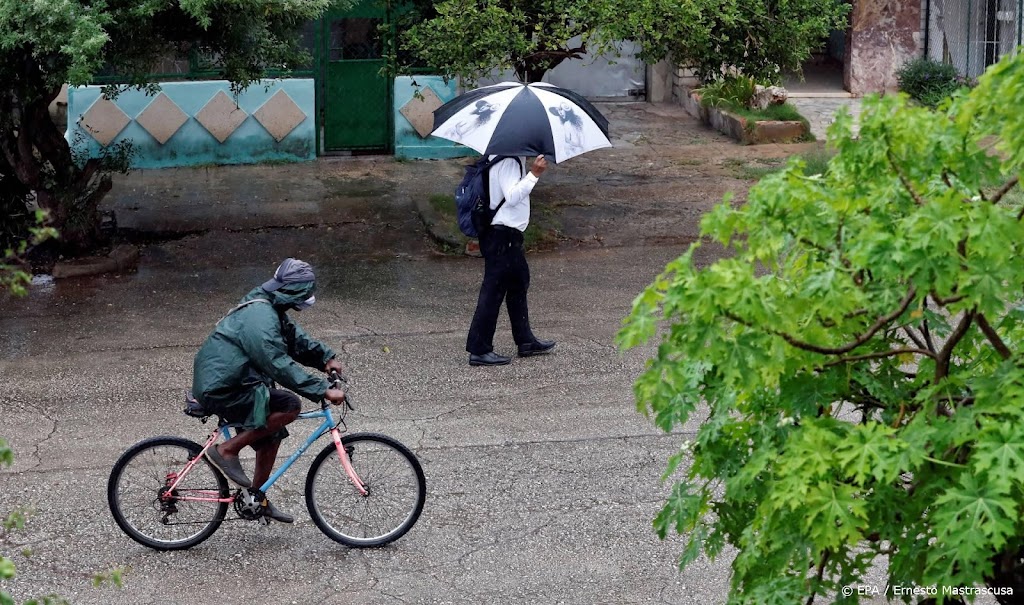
{"x": 487, "y": 179}
{"x": 245, "y": 304}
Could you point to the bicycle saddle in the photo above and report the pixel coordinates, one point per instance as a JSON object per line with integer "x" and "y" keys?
{"x": 193, "y": 408}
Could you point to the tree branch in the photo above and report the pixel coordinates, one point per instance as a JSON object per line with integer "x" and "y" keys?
{"x": 1007, "y": 186}
{"x": 821, "y": 573}
{"x": 993, "y": 337}
{"x": 882, "y": 354}
{"x": 943, "y": 359}
{"x": 917, "y": 341}
{"x": 880, "y": 323}
{"x": 942, "y": 302}
{"x": 903, "y": 179}
{"x": 924, "y": 329}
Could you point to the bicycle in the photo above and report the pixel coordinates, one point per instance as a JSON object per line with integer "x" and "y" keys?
{"x": 164, "y": 493}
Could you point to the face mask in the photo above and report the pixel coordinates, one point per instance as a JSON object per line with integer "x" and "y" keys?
{"x": 309, "y": 302}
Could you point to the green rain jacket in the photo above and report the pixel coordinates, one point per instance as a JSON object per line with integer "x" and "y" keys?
{"x": 251, "y": 349}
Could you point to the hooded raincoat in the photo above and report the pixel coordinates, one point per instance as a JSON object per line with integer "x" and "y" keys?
{"x": 252, "y": 348}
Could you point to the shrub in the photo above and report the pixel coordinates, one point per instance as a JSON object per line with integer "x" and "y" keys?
{"x": 734, "y": 92}
{"x": 929, "y": 82}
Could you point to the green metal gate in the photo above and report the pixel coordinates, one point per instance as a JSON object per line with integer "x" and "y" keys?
{"x": 355, "y": 98}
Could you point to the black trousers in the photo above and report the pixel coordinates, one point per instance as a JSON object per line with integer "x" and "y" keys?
{"x": 506, "y": 278}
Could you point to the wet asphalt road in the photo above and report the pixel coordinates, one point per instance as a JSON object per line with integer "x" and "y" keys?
{"x": 542, "y": 478}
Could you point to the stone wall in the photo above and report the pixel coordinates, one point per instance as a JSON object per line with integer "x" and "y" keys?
{"x": 883, "y": 35}
{"x": 193, "y": 123}
{"x": 683, "y": 81}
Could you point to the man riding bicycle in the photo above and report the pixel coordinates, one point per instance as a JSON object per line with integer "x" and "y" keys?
{"x": 253, "y": 347}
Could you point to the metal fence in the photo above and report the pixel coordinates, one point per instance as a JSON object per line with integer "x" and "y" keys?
{"x": 972, "y": 34}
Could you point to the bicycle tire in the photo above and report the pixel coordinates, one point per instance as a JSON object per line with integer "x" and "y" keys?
{"x": 393, "y": 477}
{"x": 135, "y": 484}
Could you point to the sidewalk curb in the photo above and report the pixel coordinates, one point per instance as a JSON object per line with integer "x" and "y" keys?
{"x": 440, "y": 232}
{"x": 124, "y": 258}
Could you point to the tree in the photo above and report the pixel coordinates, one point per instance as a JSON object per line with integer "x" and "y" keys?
{"x": 859, "y": 352}
{"x": 44, "y": 45}
{"x": 470, "y": 38}
{"x": 758, "y": 38}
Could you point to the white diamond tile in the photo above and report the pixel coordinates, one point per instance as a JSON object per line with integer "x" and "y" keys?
{"x": 420, "y": 112}
{"x": 162, "y": 118}
{"x": 279, "y": 115}
{"x": 104, "y": 121}
{"x": 221, "y": 116}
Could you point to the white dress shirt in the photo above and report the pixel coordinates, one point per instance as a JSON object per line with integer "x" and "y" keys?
{"x": 507, "y": 180}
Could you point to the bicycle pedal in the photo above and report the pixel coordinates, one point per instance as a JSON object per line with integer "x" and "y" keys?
{"x": 263, "y": 520}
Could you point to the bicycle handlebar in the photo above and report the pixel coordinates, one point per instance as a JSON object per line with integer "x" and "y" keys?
{"x": 339, "y": 382}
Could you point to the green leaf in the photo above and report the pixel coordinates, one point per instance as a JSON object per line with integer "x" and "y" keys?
{"x": 7, "y": 570}
{"x": 870, "y": 451}
{"x": 999, "y": 456}
{"x": 977, "y": 514}
{"x": 836, "y": 515}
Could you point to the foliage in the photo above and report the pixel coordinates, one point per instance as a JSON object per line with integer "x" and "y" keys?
{"x": 470, "y": 38}
{"x": 44, "y": 45}
{"x": 727, "y": 92}
{"x": 783, "y": 112}
{"x": 14, "y": 521}
{"x": 755, "y": 38}
{"x": 811, "y": 162}
{"x": 859, "y": 353}
{"x": 929, "y": 82}
{"x": 13, "y": 274}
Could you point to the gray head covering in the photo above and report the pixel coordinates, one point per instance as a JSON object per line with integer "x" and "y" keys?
{"x": 291, "y": 271}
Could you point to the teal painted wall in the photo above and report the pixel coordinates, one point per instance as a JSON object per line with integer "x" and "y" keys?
{"x": 192, "y": 144}
{"x": 408, "y": 142}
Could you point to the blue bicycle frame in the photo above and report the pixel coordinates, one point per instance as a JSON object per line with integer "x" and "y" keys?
{"x": 327, "y": 426}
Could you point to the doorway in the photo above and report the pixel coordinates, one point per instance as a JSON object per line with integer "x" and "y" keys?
{"x": 355, "y": 98}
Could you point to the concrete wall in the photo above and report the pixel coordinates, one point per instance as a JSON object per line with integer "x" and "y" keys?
{"x": 192, "y": 123}
{"x": 414, "y": 118}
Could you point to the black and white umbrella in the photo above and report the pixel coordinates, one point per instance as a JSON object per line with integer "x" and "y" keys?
{"x": 518, "y": 119}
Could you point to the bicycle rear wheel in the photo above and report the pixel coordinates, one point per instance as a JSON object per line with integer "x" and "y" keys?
{"x": 139, "y": 480}
{"x": 393, "y": 478}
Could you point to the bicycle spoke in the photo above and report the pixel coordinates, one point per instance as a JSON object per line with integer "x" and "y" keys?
{"x": 138, "y": 494}
{"x": 394, "y": 483}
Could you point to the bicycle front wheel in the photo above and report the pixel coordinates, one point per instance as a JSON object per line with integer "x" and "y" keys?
{"x": 145, "y": 508}
{"x": 393, "y": 478}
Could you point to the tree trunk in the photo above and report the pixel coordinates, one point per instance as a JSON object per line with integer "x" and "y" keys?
{"x": 41, "y": 160}
{"x": 1008, "y": 572}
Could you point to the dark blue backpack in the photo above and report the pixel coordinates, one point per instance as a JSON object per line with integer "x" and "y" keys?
{"x": 472, "y": 197}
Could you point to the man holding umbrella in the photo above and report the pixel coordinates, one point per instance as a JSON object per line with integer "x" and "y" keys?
{"x": 517, "y": 120}
{"x": 506, "y": 273}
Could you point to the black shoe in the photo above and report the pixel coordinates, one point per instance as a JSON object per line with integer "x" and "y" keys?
{"x": 229, "y": 467}
{"x": 537, "y": 347}
{"x": 488, "y": 359}
{"x": 269, "y": 510}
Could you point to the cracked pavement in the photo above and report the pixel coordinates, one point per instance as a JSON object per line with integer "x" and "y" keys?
{"x": 542, "y": 478}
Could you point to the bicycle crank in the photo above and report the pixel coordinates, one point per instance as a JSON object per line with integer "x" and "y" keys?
{"x": 249, "y": 504}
